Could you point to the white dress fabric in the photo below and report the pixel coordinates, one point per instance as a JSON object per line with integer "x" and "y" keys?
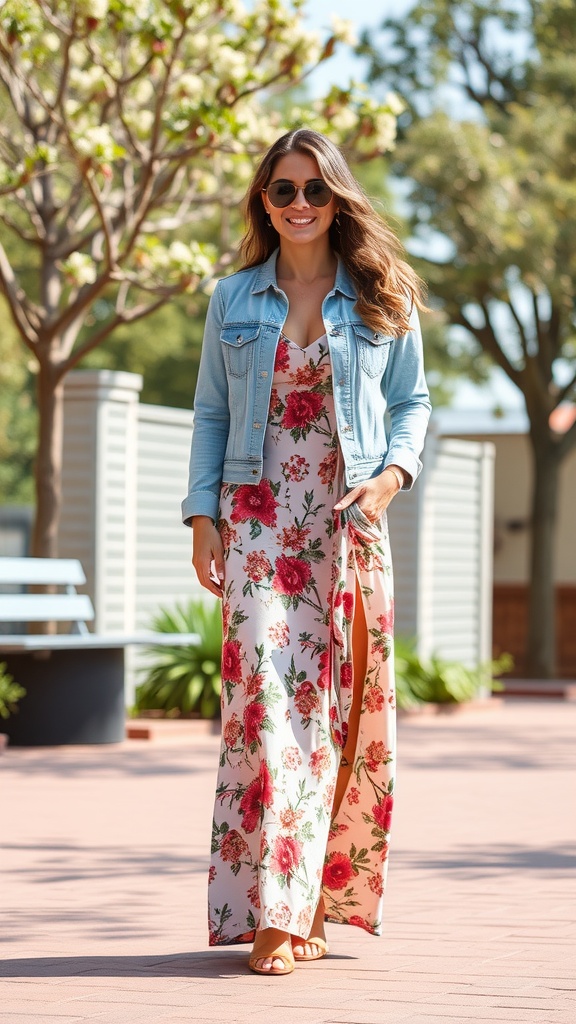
{"x": 291, "y": 568}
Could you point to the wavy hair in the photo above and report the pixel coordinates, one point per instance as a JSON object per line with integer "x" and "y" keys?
{"x": 387, "y": 287}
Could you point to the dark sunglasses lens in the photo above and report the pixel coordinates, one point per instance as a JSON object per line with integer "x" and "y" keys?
{"x": 318, "y": 193}
{"x": 281, "y": 193}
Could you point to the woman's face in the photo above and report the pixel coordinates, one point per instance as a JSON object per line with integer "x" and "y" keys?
{"x": 300, "y": 222}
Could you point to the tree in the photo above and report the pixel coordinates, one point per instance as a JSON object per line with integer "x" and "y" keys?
{"x": 488, "y": 145}
{"x": 127, "y": 133}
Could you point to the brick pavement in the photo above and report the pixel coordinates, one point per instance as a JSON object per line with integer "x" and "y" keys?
{"x": 103, "y": 886}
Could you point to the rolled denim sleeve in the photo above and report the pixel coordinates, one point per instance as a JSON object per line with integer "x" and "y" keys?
{"x": 211, "y": 420}
{"x": 408, "y": 401}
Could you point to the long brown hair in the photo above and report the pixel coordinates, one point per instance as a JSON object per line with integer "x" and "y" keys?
{"x": 386, "y": 285}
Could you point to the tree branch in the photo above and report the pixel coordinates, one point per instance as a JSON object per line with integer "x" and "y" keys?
{"x": 489, "y": 342}
{"x": 131, "y": 316}
{"x": 16, "y": 299}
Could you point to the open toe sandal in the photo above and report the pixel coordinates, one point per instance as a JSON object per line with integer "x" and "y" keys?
{"x": 267, "y": 946}
{"x": 320, "y": 943}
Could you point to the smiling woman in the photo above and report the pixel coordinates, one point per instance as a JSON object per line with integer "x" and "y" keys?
{"x": 305, "y": 351}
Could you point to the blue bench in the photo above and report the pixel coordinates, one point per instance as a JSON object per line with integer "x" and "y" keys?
{"x": 74, "y": 680}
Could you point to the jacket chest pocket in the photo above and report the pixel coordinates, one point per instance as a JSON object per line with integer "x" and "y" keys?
{"x": 238, "y": 342}
{"x": 373, "y": 349}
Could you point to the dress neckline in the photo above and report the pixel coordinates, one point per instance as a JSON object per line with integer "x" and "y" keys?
{"x": 303, "y": 348}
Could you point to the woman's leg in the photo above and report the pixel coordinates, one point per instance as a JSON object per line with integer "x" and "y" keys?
{"x": 359, "y": 664}
{"x": 303, "y": 947}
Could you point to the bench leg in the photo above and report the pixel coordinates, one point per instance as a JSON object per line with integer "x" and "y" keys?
{"x": 72, "y": 696}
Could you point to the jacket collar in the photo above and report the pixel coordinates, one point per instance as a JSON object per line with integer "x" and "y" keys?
{"x": 266, "y": 277}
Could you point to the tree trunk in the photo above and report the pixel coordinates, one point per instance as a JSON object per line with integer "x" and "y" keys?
{"x": 541, "y": 645}
{"x": 48, "y": 465}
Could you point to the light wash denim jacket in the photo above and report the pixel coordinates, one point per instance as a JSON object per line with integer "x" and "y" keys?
{"x": 375, "y": 377}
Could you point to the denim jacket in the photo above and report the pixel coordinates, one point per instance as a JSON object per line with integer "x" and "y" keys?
{"x": 380, "y": 395}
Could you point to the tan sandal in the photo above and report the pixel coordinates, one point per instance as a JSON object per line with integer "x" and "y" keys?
{"x": 266, "y": 945}
{"x": 311, "y": 941}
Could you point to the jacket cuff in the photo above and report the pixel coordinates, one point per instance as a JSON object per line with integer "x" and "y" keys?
{"x": 200, "y": 503}
{"x": 407, "y": 461}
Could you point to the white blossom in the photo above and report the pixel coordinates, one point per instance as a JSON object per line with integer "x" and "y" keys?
{"x": 80, "y": 269}
{"x": 344, "y": 30}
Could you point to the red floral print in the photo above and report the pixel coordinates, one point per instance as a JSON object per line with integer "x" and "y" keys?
{"x": 294, "y": 537}
{"x": 289, "y": 819}
{"x": 232, "y": 731}
{"x": 254, "y": 715}
{"x": 296, "y": 468}
{"x": 307, "y": 376}
{"x": 254, "y": 683}
{"x": 324, "y": 666}
{"x": 319, "y": 761}
{"x": 338, "y": 871}
{"x": 353, "y": 795}
{"x": 257, "y": 566}
{"x": 386, "y": 621}
{"x": 250, "y": 806}
{"x": 231, "y": 662}
{"x": 302, "y": 408}
{"x": 306, "y": 699}
{"x": 254, "y": 501}
{"x": 279, "y": 634}
{"x": 233, "y": 847}
{"x": 282, "y": 361}
{"x": 227, "y": 533}
{"x": 291, "y": 758}
{"x": 253, "y": 896}
{"x": 291, "y": 576}
{"x": 376, "y": 754}
{"x": 373, "y": 699}
{"x": 376, "y": 883}
{"x": 280, "y": 915}
{"x": 266, "y": 785}
{"x": 327, "y": 468}
{"x": 383, "y": 812}
{"x": 346, "y": 675}
{"x": 286, "y": 855}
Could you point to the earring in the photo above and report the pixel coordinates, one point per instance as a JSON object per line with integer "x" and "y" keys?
{"x": 337, "y": 219}
{"x": 268, "y": 221}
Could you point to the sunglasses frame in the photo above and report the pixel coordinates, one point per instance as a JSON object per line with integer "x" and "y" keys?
{"x": 298, "y": 188}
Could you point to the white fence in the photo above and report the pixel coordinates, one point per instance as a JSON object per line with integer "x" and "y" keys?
{"x": 125, "y": 474}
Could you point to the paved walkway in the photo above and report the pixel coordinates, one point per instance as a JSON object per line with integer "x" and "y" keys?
{"x": 103, "y": 888}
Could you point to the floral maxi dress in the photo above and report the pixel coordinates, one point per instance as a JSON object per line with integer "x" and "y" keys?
{"x": 291, "y": 568}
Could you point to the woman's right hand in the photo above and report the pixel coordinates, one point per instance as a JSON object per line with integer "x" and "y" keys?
{"x": 208, "y": 554}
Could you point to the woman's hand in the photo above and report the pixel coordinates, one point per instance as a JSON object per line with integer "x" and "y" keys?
{"x": 374, "y": 495}
{"x": 208, "y": 554}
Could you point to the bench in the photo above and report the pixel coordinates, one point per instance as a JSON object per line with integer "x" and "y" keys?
{"x": 74, "y": 680}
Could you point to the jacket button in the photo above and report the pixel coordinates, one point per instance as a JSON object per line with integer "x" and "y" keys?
{"x": 264, "y": 373}
{"x": 239, "y": 338}
{"x": 347, "y": 426}
{"x": 254, "y": 472}
{"x": 257, "y": 425}
{"x": 341, "y": 382}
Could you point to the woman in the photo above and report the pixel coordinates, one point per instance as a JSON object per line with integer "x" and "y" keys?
{"x": 291, "y": 472}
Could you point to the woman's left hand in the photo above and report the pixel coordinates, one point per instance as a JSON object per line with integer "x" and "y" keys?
{"x": 373, "y": 496}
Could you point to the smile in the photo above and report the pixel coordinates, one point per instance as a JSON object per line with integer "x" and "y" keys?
{"x": 300, "y": 220}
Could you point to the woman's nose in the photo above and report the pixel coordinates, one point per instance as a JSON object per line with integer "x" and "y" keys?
{"x": 300, "y": 198}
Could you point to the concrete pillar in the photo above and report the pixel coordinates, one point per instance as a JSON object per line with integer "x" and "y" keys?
{"x": 99, "y": 489}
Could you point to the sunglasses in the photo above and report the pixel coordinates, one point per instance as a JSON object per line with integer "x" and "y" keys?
{"x": 282, "y": 192}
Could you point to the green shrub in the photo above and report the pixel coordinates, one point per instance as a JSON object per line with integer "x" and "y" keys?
{"x": 435, "y": 680}
{"x": 185, "y": 680}
{"x": 10, "y": 692}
